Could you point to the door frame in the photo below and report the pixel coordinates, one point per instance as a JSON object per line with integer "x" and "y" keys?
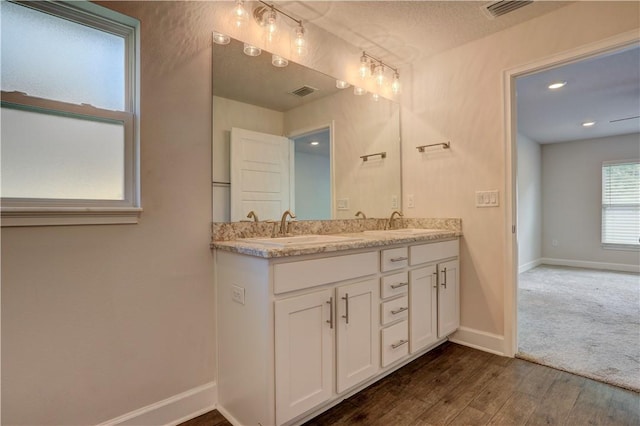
{"x": 296, "y": 133}
{"x": 611, "y": 44}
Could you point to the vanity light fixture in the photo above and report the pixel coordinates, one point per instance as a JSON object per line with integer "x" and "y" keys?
{"x": 279, "y": 61}
{"x": 359, "y": 91}
{"x": 588, "y": 123}
{"x": 370, "y": 65}
{"x": 375, "y": 97}
{"x": 219, "y": 38}
{"x": 557, "y": 85}
{"x": 341, "y": 84}
{"x": 267, "y": 16}
{"x": 251, "y": 50}
{"x": 240, "y": 14}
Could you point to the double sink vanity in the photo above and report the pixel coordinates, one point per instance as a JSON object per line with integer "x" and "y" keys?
{"x": 308, "y": 319}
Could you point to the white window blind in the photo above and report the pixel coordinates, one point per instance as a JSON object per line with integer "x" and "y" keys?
{"x": 621, "y": 203}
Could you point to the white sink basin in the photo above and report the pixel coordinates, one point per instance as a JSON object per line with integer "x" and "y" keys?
{"x": 306, "y": 240}
{"x": 406, "y": 231}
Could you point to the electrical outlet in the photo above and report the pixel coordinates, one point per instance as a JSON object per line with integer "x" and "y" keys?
{"x": 342, "y": 203}
{"x": 394, "y": 201}
{"x": 237, "y": 294}
{"x": 554, "y": 243}
{"x": 410, "y": 201}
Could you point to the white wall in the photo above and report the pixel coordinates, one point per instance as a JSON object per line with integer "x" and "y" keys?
{"x": 572, "y": 199}
{"x": 313, "y": 186}
{"x": 529, "y": 203}
{"x": 458, "y": 96}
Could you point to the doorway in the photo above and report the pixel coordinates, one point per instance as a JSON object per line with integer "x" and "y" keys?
{"x": 515, "y": 199}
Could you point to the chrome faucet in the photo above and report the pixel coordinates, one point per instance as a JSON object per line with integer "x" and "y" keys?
{"x": 393, "y": 215}
{"x": 253, "y": 215}
{"x": 283, "y": 221}
{"x": 360, "y": 213}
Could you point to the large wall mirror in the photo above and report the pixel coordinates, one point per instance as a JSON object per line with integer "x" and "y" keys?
{"x": 288, "y": 138}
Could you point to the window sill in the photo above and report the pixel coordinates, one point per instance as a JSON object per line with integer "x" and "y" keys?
{"x": 622, "y": 247}
{"x": 56, "y": 216}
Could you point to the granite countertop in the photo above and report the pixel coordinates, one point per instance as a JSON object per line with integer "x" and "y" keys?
{"x": 356, "y": 240}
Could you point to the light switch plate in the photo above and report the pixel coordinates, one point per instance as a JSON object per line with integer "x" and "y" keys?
{"x": 488, "y": 198}
{"x": 342, "y": 203}
{"x": 237, "y": 294}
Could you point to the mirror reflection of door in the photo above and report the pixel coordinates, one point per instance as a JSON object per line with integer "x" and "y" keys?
{"x": 260, "y": 174}
{"x": 312, "y": 175}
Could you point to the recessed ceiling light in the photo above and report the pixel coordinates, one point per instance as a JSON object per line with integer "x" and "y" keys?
{"x": 588, "y": 123}
{"x": 557, "y": 85}
{"x": 314, "y": 143}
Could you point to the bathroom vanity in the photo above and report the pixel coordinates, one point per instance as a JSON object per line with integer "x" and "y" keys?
{"x": 304, "y": 324}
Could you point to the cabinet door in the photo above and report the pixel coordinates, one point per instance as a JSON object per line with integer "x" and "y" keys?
{"x": 303, "y": 352}
{"x": 448, "y": 298}
{"x": 423, "y": 308}
{"x": 358, "y": 350}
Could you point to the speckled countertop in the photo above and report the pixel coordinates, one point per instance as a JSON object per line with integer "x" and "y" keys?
{"x": 237, "y": 237}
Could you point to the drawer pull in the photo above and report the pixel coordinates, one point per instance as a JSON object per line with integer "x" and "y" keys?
{"x": 346, "y": 307}
{"x": 398, "y": 259}
{"x": 399, "y": 310}
{"x": 398, "y": 285}
{"x": 400, "y": 343}
{"x": 330, "y": 320}
{"x": 435, "y": 280}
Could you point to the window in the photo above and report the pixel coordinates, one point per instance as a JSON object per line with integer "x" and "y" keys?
{"x": 69, "y": 137}
{"x": 621, "y": 204}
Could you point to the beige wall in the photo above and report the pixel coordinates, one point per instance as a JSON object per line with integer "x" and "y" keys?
{"x": 458, "y": 96}
{"x": 101, "y": 320}
{"x": 572, "y": 200}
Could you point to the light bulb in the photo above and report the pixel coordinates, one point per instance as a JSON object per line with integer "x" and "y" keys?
{"x": 341, "y": 84}
{"x": 379, "y": 74}
{"x": 300, "y": 46}
{"x": 250, "y": 50}
{"x": 364, "y": 69}
{"x": 395, "y": 84}
{"x": 375, "y": 97}
{"x": 240, "y": 14}
{"x": 219, "y": 38}
{"x": 359, "y": 91}
{"x": 270, "y": 27}
{"x": 279, "y": 61}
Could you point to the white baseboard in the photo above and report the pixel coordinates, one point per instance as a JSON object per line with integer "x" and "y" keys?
{"x": 591, "y": 265}
{"x": 529, "y": 265}
{"x": 173, "y": 410}
{"x": 481, "y": 340}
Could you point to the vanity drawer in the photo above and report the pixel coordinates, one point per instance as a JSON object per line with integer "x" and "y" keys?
{"x": 392, "y": 259}
{"x": 393, "y": 285}
{"x": 395, "y": 342}
{"x": 310, "y": 273}
{"x": 394, "y": 310}
{"x": 424, "y": 253}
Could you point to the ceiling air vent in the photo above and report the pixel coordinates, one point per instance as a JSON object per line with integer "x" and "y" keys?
{"x": 304, "y": 91}
{"x": 499, "y": 8}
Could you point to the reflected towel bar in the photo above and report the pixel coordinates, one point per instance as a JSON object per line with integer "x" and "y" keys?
{"x": 366, "y": 157}
{"x": 445, "y": 145}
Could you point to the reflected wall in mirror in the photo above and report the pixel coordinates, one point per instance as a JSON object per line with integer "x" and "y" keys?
{"x": 275, "y": 129}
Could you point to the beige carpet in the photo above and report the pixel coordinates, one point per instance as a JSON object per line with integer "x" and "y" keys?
{"x": 583, "y": 321}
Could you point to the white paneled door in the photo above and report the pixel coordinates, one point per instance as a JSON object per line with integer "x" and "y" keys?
{"x": 260, "y": 174}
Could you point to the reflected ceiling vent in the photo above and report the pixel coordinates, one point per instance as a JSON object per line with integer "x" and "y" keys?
{"x": 304, "y": 91}
{"x": 502, "y": 7}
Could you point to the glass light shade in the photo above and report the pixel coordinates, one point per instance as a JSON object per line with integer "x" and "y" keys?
{"x": 359, "y": 91}
{"x": 341, "y": 84}
{"x": 219, "y": 38}
{"x": 279, "y": 61}
{"x": 240, "y": 14}
{"x": 379, "y": 75}
{"x": 271, "y": 33}
{"x": 363, "y": 69}
{"x": 395, "y": 84}
{"x": 251, "y": 50}
{"x": 299, "y": 41}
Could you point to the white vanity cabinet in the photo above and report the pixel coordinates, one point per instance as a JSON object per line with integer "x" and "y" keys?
{"x": 295, "y": 334}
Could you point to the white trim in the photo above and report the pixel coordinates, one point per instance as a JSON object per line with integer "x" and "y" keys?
{"x": 10, "y": 217}
{"x": 477, "y": 339}
{"x": 622, "y": 267}
{"x": 510, "y": 294}
{"x": 529, "y": 265}
{"x": 172, "y": 411}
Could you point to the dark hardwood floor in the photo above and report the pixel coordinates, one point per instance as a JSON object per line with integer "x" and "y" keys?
{"x": 457, "y": 385}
